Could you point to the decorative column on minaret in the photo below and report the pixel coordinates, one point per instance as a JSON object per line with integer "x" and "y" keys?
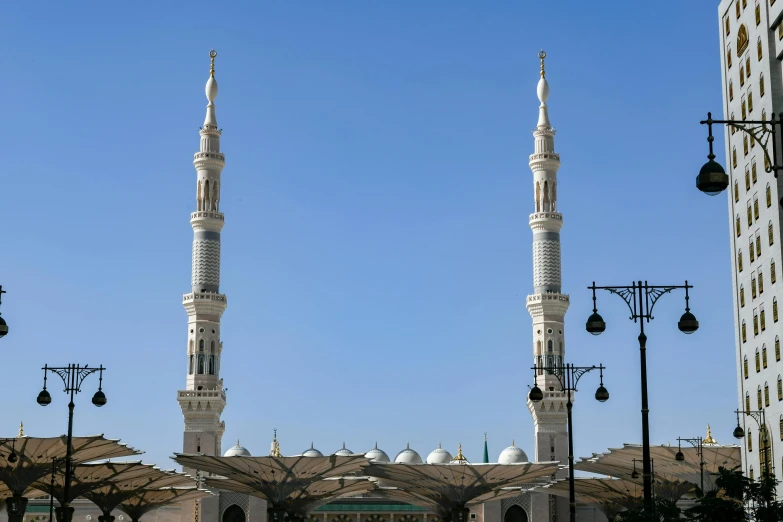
{"x": 203, "y": 399}
{"x": 547, "y": 306}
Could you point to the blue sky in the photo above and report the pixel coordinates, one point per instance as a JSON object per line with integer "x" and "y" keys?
{"x": 376, "y": 253}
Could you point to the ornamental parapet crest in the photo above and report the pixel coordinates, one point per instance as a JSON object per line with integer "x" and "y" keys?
{"x": 548, "y": 304}
{"x": 545, "y": 156}
{"x": 210, "y": 130}
{"x": 208, "y": 303}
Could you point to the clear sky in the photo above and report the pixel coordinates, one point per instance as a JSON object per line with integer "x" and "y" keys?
{"x": 376, "y": 253}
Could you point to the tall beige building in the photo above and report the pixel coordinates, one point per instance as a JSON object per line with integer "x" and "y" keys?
{"x": 751, "y": 35}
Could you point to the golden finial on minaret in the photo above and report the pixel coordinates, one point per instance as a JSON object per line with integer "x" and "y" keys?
{"x": 709, "y": 439}
{"x": 213, "y": 53}
{"x": 542, "y": 55}
{"x": 275, "y": 450}
{"x": 21, "y": 429}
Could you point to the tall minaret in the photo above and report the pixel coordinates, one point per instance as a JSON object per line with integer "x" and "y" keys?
{"x": 547, "y": 306}
{"x": 203, "y": 399}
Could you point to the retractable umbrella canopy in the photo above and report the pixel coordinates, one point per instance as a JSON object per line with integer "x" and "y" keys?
{"x": 145, "y": 500}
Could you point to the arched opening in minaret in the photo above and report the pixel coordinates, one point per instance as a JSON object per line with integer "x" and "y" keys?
{"x": 514, "y": 514}
{"x": 206, "y": 195}
{"x": 234, "y": 514}
{"x": 546, "y": 196}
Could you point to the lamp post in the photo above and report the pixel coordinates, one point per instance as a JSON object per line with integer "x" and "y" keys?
{"x": 3, "y": 324}
{"x": 72, "y": 376}
{"x": 635, "y": 474}
{"x": 641, "y": 298}
{"x": 712, "y": 178}
{"x": 51, "y": 488}
{"x": 761, "y": 420}
{"x": 568, "y": 376}
{"x": 698, "y": 443}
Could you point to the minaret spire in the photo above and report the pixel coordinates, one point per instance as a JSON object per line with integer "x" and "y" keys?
{"x": 547, "y": 305}
{"x": 203, "y": 399}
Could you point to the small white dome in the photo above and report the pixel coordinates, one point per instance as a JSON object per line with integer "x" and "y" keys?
{"x": 377, "y": 455}
{"x": 237, "y": 451}
{"x": 312, "y": 452}
{"x": 512, "y": 455}
{"x": 408, "y": 456}
{"x": 439, "y": 456}
{"x": 343, "y": 451}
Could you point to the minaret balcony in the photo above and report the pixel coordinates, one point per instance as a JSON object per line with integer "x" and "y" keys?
{"x": 546, "y": 221}
{"x": 207, "y": 220}
{"x": 204, "y": 303}
{"x": 209, "y": 161}
{"x": 545, "y": 156}
{"x": 550, "y": 305}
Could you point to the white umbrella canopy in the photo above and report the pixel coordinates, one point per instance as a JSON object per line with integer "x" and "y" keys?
{"x": 145, "y": 500}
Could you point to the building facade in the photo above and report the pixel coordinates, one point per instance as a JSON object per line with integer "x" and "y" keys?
{"x": 751, "y": 36}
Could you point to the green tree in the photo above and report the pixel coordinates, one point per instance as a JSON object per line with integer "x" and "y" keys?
{"x": 738, "y": 499}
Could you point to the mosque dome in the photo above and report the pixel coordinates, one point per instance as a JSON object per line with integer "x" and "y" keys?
{"x": 237, "y": 451}
{"x": 312, "y": 452}
{"x": 439, "y": 456}
{"x": 377, "y": 455}
{"x": 512, "y": 455}
{"x": 343, "y": 451}
{"x": 408, "y": 456}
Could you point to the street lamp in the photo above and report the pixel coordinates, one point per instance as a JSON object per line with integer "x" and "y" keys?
{"x": 761, "y": 420}
{"x": 3, "y": 324}
{"x": 73, "y": 376}
{"x": 568, "y": 376}
{"x": 712, "y": 178}
{"x": 12, "y": 457}
{"x": 698, "y": 443}
{"x": 641, "y": 298}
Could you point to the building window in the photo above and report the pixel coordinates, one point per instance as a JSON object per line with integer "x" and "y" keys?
{"x": 752, "y": 257}
{"x": 745, "y": 144}
{"x": 761, "y": 85}
{"x": 772, "y": 275}
{"x": 747, "y": 67}
{"x": 780, "y": 389}
{"x": 739, "y": 227}
{"x": 768, "y": 194}
{"x": 747, "y": 401}
{"x": 736, "y": 191}
{"x": 764, "y": 355}
{"x": 780, "y": 31}
{"x": 742, "y": 296}
{"x": 744, "y": 109}
{"x": 739, "y": 260}
{"x": 747, "y": 180}
{"x": 745, "y": 366}
{"x": 742, "y": 76}
{"x": 758, "y": 361}
{"x": 201, "y": 345}
{"x": 763, "y": 115}
{"x": 775, "y": 310}
{"x": 771, "y": 234}
{"x": 777, "y": 348}
{"x": 728, "y": 26}
{"x": 758, "y": 49}
{"x": 758, "y": 14}
{"x": 759, "y": 401}
{"x": 758, "y": 247}
{"x": 766, "y": 164}
{"x": 761, "y": 282}
{"x": 731, "y": 98}
{"x": 755, "y": 207}
{"x": 750, "y": 102}
{"x": 738, "y": 9}
{"x": 755, "y": 323}
{"x": 734, "y": 157}
{"x": 766, "y": 395}
{"x": 752, "y": 285}
{"x": 750, "y": 215}
{"x": 744, "y": 332}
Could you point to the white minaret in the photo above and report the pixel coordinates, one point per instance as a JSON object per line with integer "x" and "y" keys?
{"x": 547, "y": 306}
{"x": 203, "y": 399}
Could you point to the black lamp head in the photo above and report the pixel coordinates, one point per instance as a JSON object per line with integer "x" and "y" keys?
{"x": 595, "y": 324}
{"x": 601, "y": 394}
{"x": 44, "y": 399}
{"x": 635, "y": 474}
{"x": 738, "y": 432}
{"x": 712, "y": 179}
{"x": 12, "y": 457}
{"x": 688, "y": 323}
{"x": 679, "y": 456}
{"x": 99, "y": 399}
{"x": 536, "y": 395}
{"x": 3, "y": 327}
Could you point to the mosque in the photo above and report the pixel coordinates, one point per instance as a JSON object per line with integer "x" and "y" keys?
{"x": 203, "y": 399}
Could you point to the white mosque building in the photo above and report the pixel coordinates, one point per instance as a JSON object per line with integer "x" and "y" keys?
{"x": 203, "y": 399}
